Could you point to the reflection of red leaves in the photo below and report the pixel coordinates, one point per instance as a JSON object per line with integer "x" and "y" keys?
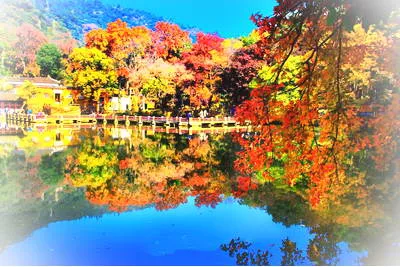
{"x": 238, "y": 193}
{"x": 198, "y": 165}
{"x": 123, "y": 72}
{"x": 245, "y": 184}
{"x": 208, "y": 199}
{"x": 159, "y": 187}
{"x": 171, "y": 198}
{"x": 197, "y": 180}
{"x": 314, "y": 197}
{"x": 124, "y": 164}
{"x": 119, "y": 199}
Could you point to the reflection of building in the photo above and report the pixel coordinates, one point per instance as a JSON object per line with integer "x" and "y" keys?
{"x": 46, "y": 139}
{"x": 10, "y": 100}
{"x": 121, "y": 133}
{"x": 10, "y": 135}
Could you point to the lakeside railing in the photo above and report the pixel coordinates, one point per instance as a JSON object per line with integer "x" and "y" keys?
{"x": 125, "y": 119}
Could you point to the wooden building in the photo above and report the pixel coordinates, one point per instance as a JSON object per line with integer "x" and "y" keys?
{"x": 11, "y": 101}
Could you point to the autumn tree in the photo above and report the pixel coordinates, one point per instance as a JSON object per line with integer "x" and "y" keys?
{"x": 65, "y": 43}
{"x": 118, "y": 40}
{"x": 205, "y": 60}
{"x": 29, "y": 40}
{"x": 34, "y": 97}
{"x": 237, "y": 76}
{"x": 121, "y": 43}
{"x": 159, "y": 81}
{"x": 91, "y": 71}
{"x": 170, "y": 41}
{"x": 149, "y": 63}
{"x": 309, "y": 100}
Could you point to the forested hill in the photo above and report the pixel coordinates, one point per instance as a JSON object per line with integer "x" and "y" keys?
{"x": 80, "y": 16}
{"x": 56, "y": 17}
{"x": 16, "y": 13}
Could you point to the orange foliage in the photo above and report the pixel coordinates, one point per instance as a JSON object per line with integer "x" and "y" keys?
{"x": 310, "y": 118}
{"x": 169, "y": 41}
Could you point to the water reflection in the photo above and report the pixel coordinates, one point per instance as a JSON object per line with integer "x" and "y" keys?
{"x": 64, "y": 174}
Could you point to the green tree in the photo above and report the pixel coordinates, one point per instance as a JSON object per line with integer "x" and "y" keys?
{"x": 51, "y": 168}
{"x": 49, "y": 59}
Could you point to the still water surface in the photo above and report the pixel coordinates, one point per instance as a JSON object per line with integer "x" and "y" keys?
{"x": 137, "y": 197}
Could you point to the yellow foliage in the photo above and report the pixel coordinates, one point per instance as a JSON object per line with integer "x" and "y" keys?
{"x": 94, "y": 166}
{"x": 364, "y": 61}
{"x": 231, "y": 45}
{"x": 219, "y": 58}
{"x": 92, "y": 71}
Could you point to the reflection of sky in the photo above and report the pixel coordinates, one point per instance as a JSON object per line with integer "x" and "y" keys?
{"x": 185, "y": 235}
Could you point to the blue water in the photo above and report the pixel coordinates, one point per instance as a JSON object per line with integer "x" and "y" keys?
{"x": 187, "y": 235}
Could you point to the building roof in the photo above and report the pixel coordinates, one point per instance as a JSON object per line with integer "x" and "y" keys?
{"x": 41, "y": 82}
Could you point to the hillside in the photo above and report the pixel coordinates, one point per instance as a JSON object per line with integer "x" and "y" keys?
{"x": 56, "y": 17}
{"x": 80, "y": 16}
{"x": 17, "y": 12}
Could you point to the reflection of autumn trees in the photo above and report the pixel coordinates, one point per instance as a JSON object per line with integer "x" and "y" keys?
{"x": 165, "y": 170}
{"x": 240, "y": 250}
{"x": 93, "y": 165}
{"x": 323, "y": 249}
{"x": 152, "y": 171}
{"x": 318, "y": 252}
{"x": 160, "y": 170}
{"x": 35, "y": 164}
{"x": 361, "y": 223}
{"x": 23, "y": 170}
{"x": 291, "y": 254}
{"x": 26, "y": 179}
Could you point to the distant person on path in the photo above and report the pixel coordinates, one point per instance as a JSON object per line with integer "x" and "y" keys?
{"x": 188, "y": 116}
{"x": 232, "y": 111}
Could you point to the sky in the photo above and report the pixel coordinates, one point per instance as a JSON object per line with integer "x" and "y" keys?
{"x": 228, "y": 18}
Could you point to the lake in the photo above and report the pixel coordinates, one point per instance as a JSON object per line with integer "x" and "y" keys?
{"x": 141, "y": 196}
